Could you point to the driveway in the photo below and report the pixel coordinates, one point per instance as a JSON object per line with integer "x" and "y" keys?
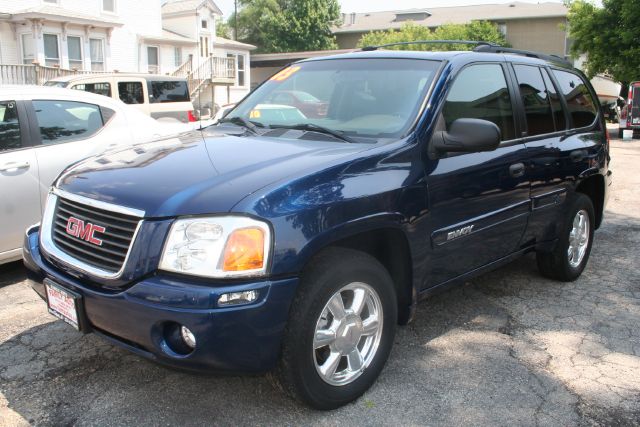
{"x": 508, "y": 348}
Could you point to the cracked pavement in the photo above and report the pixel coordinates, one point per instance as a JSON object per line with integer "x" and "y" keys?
{"x": 507, "y": 348}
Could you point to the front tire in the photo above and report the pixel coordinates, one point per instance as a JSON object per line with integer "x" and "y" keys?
{"x": 340, "y": 329}
{"x": 569, "y": 258}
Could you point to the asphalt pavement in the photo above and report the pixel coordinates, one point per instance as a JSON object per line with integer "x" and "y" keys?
{"x": 508, "y": 348}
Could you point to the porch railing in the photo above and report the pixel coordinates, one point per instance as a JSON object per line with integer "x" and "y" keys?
{"x": 34, "y": 74}
{"x": 209, "y": 70}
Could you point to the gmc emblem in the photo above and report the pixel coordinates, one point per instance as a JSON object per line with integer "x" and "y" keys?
{"x": 77, "y": 228}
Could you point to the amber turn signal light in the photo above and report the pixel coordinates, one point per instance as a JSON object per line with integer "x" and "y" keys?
{"x": 244, "y": 250}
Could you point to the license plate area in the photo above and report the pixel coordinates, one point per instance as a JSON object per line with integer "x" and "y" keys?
{"x": 65, "y": 304}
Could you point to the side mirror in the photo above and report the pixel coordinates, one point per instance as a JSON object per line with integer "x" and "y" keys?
{"x": 468, "y": 136}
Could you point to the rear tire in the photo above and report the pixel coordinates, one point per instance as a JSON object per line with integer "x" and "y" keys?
{"x": 340, "y": 329}
{"x": 569, "y": 258}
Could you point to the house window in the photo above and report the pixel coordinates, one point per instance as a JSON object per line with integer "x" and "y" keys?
{"x": 28, "y": 49}
{"x": 502, "y": 27}
{"x": 177, "y": 56}
{"x": 109, "y": 6}
{"x": 204, "y": 23}
{"x": 204, "y": 46}
{"x": 152, "y": 59}
{"x": 240, "y": 67}
{"x": 74, "y": 46}
{"x": 51, "y": 50}
{"x": 96, "y": 47}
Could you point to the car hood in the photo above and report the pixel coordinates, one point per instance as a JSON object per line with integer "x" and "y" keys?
{"x": 192, "y": 174}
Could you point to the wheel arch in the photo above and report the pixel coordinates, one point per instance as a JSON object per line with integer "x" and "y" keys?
{"x": 387, "y": 243}
{"x": 594, "y": 188}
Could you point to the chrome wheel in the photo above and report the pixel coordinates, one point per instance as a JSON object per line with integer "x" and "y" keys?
{"x": 578, "y": 238}
{"x": 347, "y": 334}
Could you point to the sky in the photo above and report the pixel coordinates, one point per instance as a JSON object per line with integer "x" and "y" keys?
{"x": 380, "y": 5}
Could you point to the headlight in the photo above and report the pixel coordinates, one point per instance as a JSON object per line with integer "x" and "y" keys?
{"x": 227, "y": 246}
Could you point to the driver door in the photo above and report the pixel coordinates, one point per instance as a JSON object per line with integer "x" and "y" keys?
{"x": 479, "y": 202}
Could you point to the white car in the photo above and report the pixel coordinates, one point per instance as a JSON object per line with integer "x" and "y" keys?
{"x": 42, "y": 131}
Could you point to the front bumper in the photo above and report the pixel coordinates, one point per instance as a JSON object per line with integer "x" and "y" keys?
{"x": 243, "y": 338}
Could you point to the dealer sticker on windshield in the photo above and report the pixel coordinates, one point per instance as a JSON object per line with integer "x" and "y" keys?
{"x": 285, "y": 74}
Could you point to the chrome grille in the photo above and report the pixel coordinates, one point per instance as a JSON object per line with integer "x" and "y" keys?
{"x": 119, "y": 230}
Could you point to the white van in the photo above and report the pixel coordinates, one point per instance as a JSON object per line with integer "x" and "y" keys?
{"x": 161, "y": 97}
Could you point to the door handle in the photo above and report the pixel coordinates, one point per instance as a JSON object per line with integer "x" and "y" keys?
{"x": 14, "y": 166}
{"x": 577, "y": 156}
{"x": 516, "y": 170}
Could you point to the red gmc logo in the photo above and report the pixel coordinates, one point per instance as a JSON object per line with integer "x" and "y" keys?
{"x": 77, "y": 228}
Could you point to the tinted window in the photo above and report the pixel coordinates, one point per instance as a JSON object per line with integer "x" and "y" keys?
{"x": 558, "y": 113}
{"x": 579, "y": 101}
{"x": 168, "y": 92}
{"x": 99, "y": 88}
{"x": 62, "y": 121}
{"x": 535, "y": 100}
{"x": 9, "y": 126}
{"x": 480, "y": 92}
{"x": 131, "y": 92}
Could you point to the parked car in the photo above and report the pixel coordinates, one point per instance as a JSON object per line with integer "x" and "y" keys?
{"x": 308, "y": 104}
{"x": 42, "y": 131}
{"x": 298, "y": 245}
{"x": 629, "y": 118}
{"x": 161, "y": 97}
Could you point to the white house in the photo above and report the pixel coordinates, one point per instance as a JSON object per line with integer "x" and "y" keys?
{"x": 177, "y": 37}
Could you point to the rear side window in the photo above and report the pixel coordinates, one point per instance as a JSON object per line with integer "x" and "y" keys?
{"x": 131, "y": 92}
{"x": 168, "y": 91}
{"x": 9, "y": 126}
{"x": 64, "y": 121}
{"x": 535, "y": 100}
{"x": 580, "y": 104}
{"x": 480, "y": 92}
{"x": 558, "y": 113}
{"x": 98, "y": 88}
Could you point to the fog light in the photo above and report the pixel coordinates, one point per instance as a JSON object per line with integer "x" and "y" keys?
{"x": 235, "y": 298}
{"x": 188, "y": 337}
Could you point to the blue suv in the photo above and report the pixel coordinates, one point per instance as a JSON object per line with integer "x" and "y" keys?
{"x": 294, "y": 237}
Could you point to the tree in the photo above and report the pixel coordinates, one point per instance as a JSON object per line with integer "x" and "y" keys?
{"x": 609, "y": 36}
{"x": 476, "y": 30}
{"x": 288, "y": 25}
{"x": 223, "y": 29}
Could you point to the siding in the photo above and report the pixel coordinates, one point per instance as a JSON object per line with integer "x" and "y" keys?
{"x": 541, "y": 35}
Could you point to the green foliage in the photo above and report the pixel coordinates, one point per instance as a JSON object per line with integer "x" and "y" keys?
{"x": 476, "y": 30}
{"x": 223, "y": 29}
{"x": 610, "y": 36}
{"x": 287, "y": 25}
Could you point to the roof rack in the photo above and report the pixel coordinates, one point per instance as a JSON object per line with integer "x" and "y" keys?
{"x": 493, "y": 48}
{"x": 471, "y": 42}
{"x": 480, "y": 46}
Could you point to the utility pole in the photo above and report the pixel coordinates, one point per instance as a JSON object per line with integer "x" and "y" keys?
{"x": 235, "y": 20}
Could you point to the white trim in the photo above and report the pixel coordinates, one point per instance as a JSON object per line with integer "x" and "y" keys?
{"x": 157, "y": 48}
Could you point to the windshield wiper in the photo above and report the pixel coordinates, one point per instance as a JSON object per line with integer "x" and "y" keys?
{"x": 310, "y": 127}
{"x": 241, "y": 121}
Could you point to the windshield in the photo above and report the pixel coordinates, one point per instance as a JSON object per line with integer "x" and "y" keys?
{"x": 356, "y": 97}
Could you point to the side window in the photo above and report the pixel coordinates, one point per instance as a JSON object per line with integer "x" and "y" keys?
{"x": 579, "y": 101}
{"x": 9, "y": 126}
{"x": 99, "y": 88}
{"x": 64, "y": 121}
{"x": 534, "y": 96}
{"x": 480, "y": 92}
{"x": 556, "y": 105}
{"x": 168, "y": 91}
{"x": 131, "y": 92}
